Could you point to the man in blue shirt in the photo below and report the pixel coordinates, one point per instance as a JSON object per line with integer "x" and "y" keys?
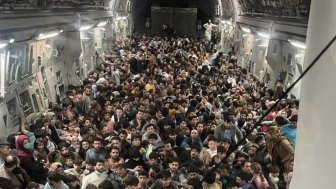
{"x": 289, "y": 130}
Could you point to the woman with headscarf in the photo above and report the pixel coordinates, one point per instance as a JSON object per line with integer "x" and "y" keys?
{"x": 24, "y": 149}
{"x": 279, "y": 148}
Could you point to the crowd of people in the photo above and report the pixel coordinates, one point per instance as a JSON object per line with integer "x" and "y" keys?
{"x": 157, "y": 113}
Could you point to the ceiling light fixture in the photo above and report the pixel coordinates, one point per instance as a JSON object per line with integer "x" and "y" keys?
{"x": 228, "y": 22}
{"x": 47, "y": 35}
{"x": 298, "y": 55}
{"x": 102, "y": 23}
{"x": 3, "y": 74}
{"x": 263, "y": 46}
{"x": 121, "y": 18}
{"x": 85, "y": 27}
{"x": 2, "y": 45}
{"x": 85, "y": 38}
{"x": 247, "y": 30}
{"x": 264, "y": 35}
{"x": 297, "y": 44}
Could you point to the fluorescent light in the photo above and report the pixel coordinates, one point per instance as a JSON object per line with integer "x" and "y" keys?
{"x": 102, "y": 29}
{"x": 121, "y": 18}
{"x": 247, "y": 30}
{"x": 103, "y": 23}
{"x": 264, "y": 35}
{"x": 85, "y": 38}
{"x": 3, "y": 74}
{"x": 47, "y": 35}
{"x": 263, "y": 45}
{"x": 298, "y": 55}
{"x": 228, "y": 22}
{"x": 85, "y": 27}
{"x": 297, "y": 44}
{"x": 11, "y": 40}
{"x": 2, "y": 45}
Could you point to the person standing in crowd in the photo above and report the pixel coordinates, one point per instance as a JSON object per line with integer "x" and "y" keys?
{"x": 279, "y": 148}
{"x": 24, "y": 149}
{"x": 5, "y": 151}
{"x": 258, "y": 179}
{"x": 208, "y": 30}
{"x": 228, "y": 130}
{"x": 97, "y": 152}
{"x": 55, "y": 181}
{"x": 13, "y": 174}
{"x": 95, "y": 177}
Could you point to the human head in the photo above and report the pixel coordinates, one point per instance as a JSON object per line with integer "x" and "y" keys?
{"x": 116, "y": 141}
{"x": 199, "y": 127}
{"x": 143, "y": 177}
{"x": 173, "y": 164}
{"x": 227, "y": 121}
{"x": 256, "y": 168}
{"x": 54, "y": 179}
{"x": 168, "y": 145}
{"x": 194, "y": 134}
{"x": 119, "y": 111}
{"x": 193, "y": 172}
{"x": 275, "y": 170}
{"x": 152, "y": 138}
{"x": 63, "y": 148}
{"x": 11, "y": 163}
{"x": 123, "y": 134}
{"x": 85, "y": 145}
{"x": 280, "y": 120}
{"x": 246, "y": 166}
{"x": 165, "y": 178}
{"x": 91, "y": 186}
{"x": 274, "y": 132}
{"x": 252, "y": 150}
{"x": 4, "y": 149}
{"x": 260, "y": 141}
{"x": 212, "y": 142}
{"x": 122, "y": 170}
{"x": 131, "y": 182}
{"x": 97, "y": 143}
{"x": 100, "y": 166}
{"x": 136, "y": 140}
{"x": 106, "y": 184}
{"x": 150, "y": 128}
{"x": 152, "y": 159}
{"x": 225, "y": 170}
{"x": 293, "y": 119}
{"x": 114, "y": 154}
{"x": 195, "y": 150}
{"x": 154, "y": 171}
{"x": 33, "y": 185}
{"x": 72, "y": 181}
{"x": 242, "y": 178}
{"x": 90, "y": 166}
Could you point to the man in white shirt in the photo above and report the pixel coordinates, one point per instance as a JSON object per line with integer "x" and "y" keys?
{"x": 95, "y": 177}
